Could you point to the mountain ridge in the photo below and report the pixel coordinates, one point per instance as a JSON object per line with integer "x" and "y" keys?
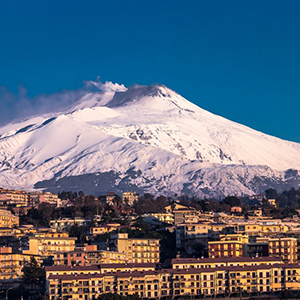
{"x": 175, "y": 146}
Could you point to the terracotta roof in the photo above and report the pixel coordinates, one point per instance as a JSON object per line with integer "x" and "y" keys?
{"x": 98, "y": 267}
{"x": 172, "y": 271}
{"x": 131, "y": 265}
{"x": 225, "y": 260}
{"x": 67, "y": 268}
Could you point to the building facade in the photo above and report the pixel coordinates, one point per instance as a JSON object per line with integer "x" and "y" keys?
{"x": 163, "y": 283}
{"x": 138, "y": 250}
{"x": 7, "y": 219}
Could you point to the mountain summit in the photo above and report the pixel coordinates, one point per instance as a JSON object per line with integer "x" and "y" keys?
{"x": 144, "y": 138}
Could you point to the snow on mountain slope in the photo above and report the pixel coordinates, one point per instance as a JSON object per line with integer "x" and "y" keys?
{"x": 150, "y": 138}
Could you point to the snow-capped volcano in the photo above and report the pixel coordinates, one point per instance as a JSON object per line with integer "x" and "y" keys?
{"x": 145, "y": 138}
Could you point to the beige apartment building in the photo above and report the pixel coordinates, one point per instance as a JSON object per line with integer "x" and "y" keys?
{"x": 283, "y": 247}
{"x": 130, "y": 197}
{"x": 46, "y": 244}
{"x": 11, "y": 264}
{"x": 47, "y": 197}
{"x": 89, "y": 255}
{"x": 171, "y": 283}
{"x": 138, "y": 250}
{"x": 13, "y": 197}
{"x": 7, "y": 219}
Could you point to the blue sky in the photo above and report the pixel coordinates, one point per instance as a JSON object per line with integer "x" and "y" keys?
{"x": 238, "y": 59}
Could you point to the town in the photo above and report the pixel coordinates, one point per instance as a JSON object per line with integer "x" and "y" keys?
{"x": 77, "y": 246}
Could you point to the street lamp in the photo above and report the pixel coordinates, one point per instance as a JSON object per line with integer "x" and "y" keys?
{"x": 7, "y": 292}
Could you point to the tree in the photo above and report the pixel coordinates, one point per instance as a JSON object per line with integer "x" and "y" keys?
{"x": 271, "y": 194}
{"x": 147, "y": 203}
{"x": 232, "y": 201}
{"x": 33, "y": 273}
{"x": 79, "y": 232}
{"x": 38, "y": 217}
{"x": 200, "y": 249}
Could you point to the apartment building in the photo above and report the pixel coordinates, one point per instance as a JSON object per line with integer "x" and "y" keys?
{"x": 87, "y": 256}
{"x": 192, "y": 282}
{"x": 130, "y": 197}
{"x": 230, "y": 245}
{"x": 47, "y": 244}
{"x": 272, "y": 202}
{"x": 185, "y": 215}
{"x": 186, "y": 263}
{"x": 190, "y": 234}
{"x": 236, "y": 209}
{"x": 138, "y": 250}
{"x": 11, "y": 264}
{"x": 7, "y": 219}
{"x": 251, "y": 228}
{"x": 66, "y": 223}
{"x": 110, "y": 227}
{"x": 98, "y": 269}
{"x": 272, "y": 227}
{"x": 175, "y": 206}
{"x": 156, "y": 218}
{"x": 110, "y": 198}
{"x": 253, "y": 279}
{"x": 14, "y": 197}
{"x": 44, "y": 197}
{"x": 283, "y": 247}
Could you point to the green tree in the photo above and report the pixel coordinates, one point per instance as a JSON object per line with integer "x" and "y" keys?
{"x": 33, "y": 273}
{"x": 232, "y": 201}
{"x": 271, "y": 194}
{"x": 79, "y": 232}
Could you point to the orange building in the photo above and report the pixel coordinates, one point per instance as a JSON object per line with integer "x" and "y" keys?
{"x": 7, "y": 219}
{"x": 231, "y": 245}
{"x": 284, "y": 247}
